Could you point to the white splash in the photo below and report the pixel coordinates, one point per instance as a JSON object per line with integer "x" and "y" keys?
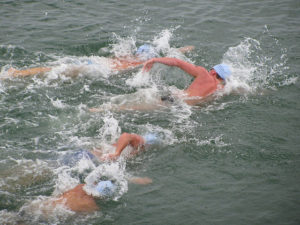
{"x": 110, "y": 130}
{"x": 64, "y": 180}
{"x": 58, "y": 103}
{"x": 162, "y": 41}
{"x": 140, "y": 79}
{"x": 42, "y": 209}
{"x": 242, "y": 69}
{"x": 123, "y": 46}
{"x": 257, "y": 64}
{"x": 114, "y": 171}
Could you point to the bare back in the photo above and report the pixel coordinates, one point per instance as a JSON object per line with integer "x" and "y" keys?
{"x": 78, "y": 200}
{"x": 203, "y": 85}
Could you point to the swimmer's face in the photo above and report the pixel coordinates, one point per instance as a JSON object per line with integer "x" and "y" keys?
{"x": 215, "y": 74}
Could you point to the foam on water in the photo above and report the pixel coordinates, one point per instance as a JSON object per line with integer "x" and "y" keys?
{"x": 23, "y": 174}
{"x": 140, "y": 79}
{"x": 70, "y": 66}
{"x": 162, "y": 41}
{"x": 123, "y": 47}
{"x": 7, "y": 217}
{"x": 40, "y": 210}
{"x": 110, "y": 130}
{"x": 114, "y": 171}
{"x": 215, "y": 140}
{"x": 65, "y": 68}
{"x": 257, "y": 64}
{"x": 58, "y": 103}
{"x": 142, "y": 99}
{"x": 64, "y": 180}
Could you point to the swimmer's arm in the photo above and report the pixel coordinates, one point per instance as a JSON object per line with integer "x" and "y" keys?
{"x": 186, "y": 48}
{"x": 124, "y": 64}
{"x": 125, "y": 139}
{"x": 140, "y": 180}
{"x": 28, "y": 72}
{"x": 185, "y": 66}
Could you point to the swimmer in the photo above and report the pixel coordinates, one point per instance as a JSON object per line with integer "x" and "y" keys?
{"x": 143, "y": 53}
{"x": 136, "y": 142}
{"x": 78, "y": 200}
{"x": 205, "y": 83}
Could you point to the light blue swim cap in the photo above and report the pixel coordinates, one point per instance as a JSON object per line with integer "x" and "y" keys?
{"x": 222, "y": 70}
{"x": 146, "y": 51}
{"x": 105, "y": 188}
{"x": 151, "y": 139}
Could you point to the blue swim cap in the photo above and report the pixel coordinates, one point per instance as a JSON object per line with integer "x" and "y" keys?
{"x": 105, "y": 188}
{"x": 151, "y": 139}
{"x": 146, "y": 52}
{"x": 222, "y": 70}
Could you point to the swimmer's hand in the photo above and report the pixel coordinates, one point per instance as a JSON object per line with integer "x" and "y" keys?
{"x": 166, "y": 60}
{"x": 141, "y": 180}
{"x": 148, "y": 65}
{"x": 109, "y": 157}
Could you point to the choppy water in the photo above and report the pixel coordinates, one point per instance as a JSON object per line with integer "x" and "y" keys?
{"x": 231, "y": 160}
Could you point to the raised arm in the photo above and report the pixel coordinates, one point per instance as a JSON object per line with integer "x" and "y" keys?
{"x": 125, "y": 139}
{"x": 185, "y": 66}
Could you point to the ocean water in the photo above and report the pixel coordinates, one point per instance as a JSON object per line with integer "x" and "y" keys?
{"x": 232, "y": 160}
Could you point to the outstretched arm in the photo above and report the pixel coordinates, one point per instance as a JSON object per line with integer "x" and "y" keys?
{"x": 185, "y": 66}
{"x": 140, "y": 180}
{"x": 125, "y": 139}
{"x": 119, "y": 64}
{"x": 187, "y": 48}
{"x": 28, "y": 72}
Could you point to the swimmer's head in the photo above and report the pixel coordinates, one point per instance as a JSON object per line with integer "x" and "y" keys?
{"x": 105, "y": 188}
{"x": 151, "y": 139}
{"x": 146, "y": 52}
{"x": 222, "y": 70}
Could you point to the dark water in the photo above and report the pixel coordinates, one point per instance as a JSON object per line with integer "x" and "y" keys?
{"x": 231, "y": 160}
